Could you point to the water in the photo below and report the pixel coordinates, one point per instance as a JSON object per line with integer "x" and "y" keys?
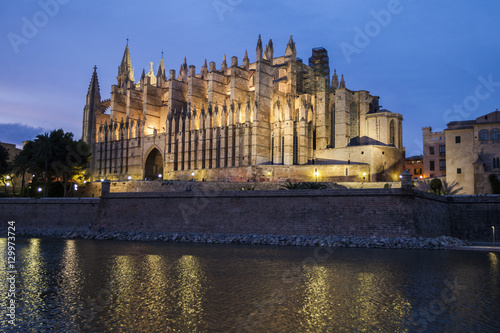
{"x": 100, "y": 286}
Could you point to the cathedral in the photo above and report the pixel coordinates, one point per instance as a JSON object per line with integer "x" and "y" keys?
{"x": 275, "y": 119}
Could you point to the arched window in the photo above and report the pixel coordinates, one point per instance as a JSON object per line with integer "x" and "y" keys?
{"x": 496, "y": 162}
{"x": 392, "y": 133}
{"x": 353, "y": 116}
{"x": 332, "y": 127}
{"x": 484, "y": 135}
{"x": 495, "y": 135}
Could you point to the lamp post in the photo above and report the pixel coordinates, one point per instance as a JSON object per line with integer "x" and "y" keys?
{"x": 316, "y": 174}
{"x": 364, "y": 175}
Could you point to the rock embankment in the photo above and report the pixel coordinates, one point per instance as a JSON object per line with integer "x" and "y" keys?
{"x": 442, "y": 242}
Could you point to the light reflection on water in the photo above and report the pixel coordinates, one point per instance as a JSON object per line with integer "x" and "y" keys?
{"x": 77, "y": 285}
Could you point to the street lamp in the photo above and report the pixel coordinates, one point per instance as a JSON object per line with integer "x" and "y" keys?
{"x": 316, "y": 173}
{"x": 364, "y": 175}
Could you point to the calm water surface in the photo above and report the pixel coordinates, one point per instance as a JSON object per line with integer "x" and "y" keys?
{"x": 102, "y": 286}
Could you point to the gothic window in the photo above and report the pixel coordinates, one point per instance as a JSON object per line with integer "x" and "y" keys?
{"x": 332, "y": 127}
{"x": 295, "y": 144}
{"x": 496, "y": 162}
{"x": 272, "y": 148}
{"x": 283, "y": 150}
{"x": 495, "y": 135}
{"x": 400, "y": 135}
{"x": 353, "y": 116}
{"x": 392, "y": 133}
{"x": 484, "y": 135}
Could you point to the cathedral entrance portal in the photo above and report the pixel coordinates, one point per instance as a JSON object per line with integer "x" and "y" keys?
{"x": 154, "y": 165}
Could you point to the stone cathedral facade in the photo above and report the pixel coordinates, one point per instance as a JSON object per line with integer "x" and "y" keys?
{"x": 274, "y": 119}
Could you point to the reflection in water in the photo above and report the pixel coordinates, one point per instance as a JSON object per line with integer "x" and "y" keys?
{"x": 125, "y": 290}
{"x": 70, "y": 287}
{"x": 374, "y": 308}
{"x": 33, "y": 283}
{"x": 494, "y": 261}
{"x": 317, "y": 304}
{"x": 77, "y": 285}
{"x": 190, "y": 292}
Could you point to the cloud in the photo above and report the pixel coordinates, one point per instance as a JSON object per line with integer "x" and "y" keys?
{"x": 17, "y": 133}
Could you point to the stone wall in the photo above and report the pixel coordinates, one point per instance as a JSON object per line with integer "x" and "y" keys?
{"x": 362, "y": 213}
{"x": 473, "y": 216}
{"x": 51, "y": 213}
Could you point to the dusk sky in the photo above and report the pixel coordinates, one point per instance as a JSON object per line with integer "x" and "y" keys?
{"x": 431, "y": 61}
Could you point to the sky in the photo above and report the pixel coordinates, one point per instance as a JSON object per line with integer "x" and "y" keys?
{"x": 431, "y": 61}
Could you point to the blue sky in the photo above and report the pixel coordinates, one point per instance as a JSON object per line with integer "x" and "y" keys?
{"x": 431, "y": 61}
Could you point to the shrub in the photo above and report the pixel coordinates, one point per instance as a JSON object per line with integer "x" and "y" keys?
{"x": 436, "y": 186}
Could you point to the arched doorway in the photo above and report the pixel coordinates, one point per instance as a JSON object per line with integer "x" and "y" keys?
{"x": 154, "y": 165}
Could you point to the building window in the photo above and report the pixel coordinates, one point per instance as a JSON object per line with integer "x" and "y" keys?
{"x": 484, "y": 135}
{"x": 457, "y": 139}
{"x": 431, "y": 167}
{"x": 495, "y": 135}
{"x": 442, "y": 165}
{"x": 459, "y": 171}
{"x": 496, "y": 162}
{"x": 417, "y": 171}
{"x": 431, "y": 150}
{"x": 442, "y": 150}
{"x": 391, "y": 132}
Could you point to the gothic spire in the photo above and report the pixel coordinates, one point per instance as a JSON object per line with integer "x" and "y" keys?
{"x": 92, "y": 107}
{"x": 224, "y": 63}
{"x": 246, "y": 61}
{"x": 161, "y": 69}
{"x": 259, "y": 49}
{"x": 290, "y": 48}
{"x": 94, "y": 90}
{"x": 342, "y": 82}
{"x": 335, "y": 80}
{"x": 126, "y": 65}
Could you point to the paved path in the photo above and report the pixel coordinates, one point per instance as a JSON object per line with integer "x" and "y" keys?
{"x": 477, "y": 248}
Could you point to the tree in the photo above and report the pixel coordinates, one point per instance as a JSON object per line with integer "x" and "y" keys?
{"x": 57, "y": 159}
{"x": 23, "y": 162}
{"x": 5, "y": 166}
{"x": 438, "y": 187}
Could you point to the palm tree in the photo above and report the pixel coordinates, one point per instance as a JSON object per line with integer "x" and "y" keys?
{"x": 313, "y": 186}
{"x": 22, "y": 162}
{"x": 451, "y": 189}
{"x": 44, "y": 152}
{"x": 292, "y": 186}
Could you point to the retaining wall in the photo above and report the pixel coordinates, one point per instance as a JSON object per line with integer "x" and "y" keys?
{"x": 363, "y": 213}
